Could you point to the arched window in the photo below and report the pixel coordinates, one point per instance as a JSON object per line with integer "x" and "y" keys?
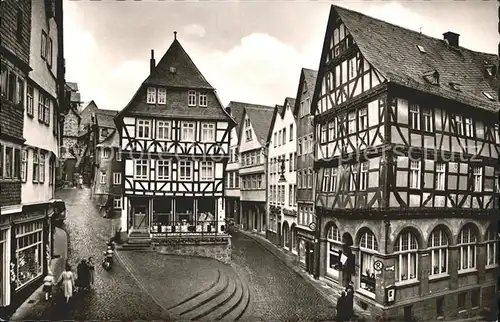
{"x": 334, "y": 252}
{"x": 406, "y": 265}
{"x": 367, "y": 248}
{"x": 491, "y": 248}
{"x": 467, "y": 240}
{"x": 438, "y": 245}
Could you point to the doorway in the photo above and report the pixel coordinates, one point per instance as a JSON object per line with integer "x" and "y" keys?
{"x": 140, "y": 216}
{"x": 309, "y": 257}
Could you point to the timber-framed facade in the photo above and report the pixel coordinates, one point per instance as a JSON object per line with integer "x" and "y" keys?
{"x": 407, "y": 165}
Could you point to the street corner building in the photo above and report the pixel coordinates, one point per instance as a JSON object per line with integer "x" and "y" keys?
{"x": 32, "y": 84}
{"x": 407, "y": 164}
{"x": 175, "y": 148}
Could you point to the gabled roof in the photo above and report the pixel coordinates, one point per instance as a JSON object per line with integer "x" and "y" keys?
{"x": 105, "y": 118}
{"x": 288, "y": 101}
{"x": 280, "y": 111}
{"x": 237, "y": 110}
{"x": 260, "y": 117}
{"x": 392, "y": 50}
{"x": 186, "y": 74}
{"x": 308, "y": 76}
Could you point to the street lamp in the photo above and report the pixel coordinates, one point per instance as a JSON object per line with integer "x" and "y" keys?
{"x": 282, "y": 172}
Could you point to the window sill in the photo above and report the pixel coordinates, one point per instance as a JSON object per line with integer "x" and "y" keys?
{"x": 491, "y": 266}
{"x": 461, "y": 311}
{"x": 438, "y": 277}
{"x": 365, "y": 293}
{"x": 467, "y": 271}
{"x": 407, "y": 283}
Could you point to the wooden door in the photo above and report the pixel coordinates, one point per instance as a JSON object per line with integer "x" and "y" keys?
{"x": 141, "y": 217}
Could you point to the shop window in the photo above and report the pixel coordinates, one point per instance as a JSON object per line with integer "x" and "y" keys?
{"x": 438, "y": 245}
{"x": 406, "y": 247}
{"x": 467, "y": 240}
{"x": 29, "y": 252}
{"x": 335, "y": 251}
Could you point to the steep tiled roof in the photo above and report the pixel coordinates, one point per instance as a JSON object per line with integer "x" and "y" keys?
{"x": 186, "y": 73}
{"x": 278, "y": 110}
{"x": 113, "y": 140}
{"x": 105, "y": 118}
{"x": 309, "y": 76}
{"x": 237, "y": 111}
{"x": 290, "y": 101}
{"x": 181, "y": 111}
{"x": 392, "y": 50}
{"x": 260, "y": 117}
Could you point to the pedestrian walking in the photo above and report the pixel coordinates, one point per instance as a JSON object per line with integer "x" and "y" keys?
{"x": 67, "y": 279}
{"x": 91, "y": 266}
{"x": 349, "y": 307}
{"x": 82, "y": 273}
{"x": 48, "y": 282}
{"x": 341, "y": 307}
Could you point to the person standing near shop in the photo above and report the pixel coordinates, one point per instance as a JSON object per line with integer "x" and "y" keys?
{"x": 67, "y": 279}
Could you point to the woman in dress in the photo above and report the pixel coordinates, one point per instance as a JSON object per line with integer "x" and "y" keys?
{"x": 67, "y": 280}
{"x": 91, "y": 267}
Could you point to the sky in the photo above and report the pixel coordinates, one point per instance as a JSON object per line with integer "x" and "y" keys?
{"x": 250, "y": 51}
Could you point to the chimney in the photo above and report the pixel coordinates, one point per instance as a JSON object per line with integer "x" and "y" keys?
{"x": 152, "y": 62}
{"x": 451, "y": 38}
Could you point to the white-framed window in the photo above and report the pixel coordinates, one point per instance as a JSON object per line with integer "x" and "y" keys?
{"x": 117, "y": 202}
{"x": 323, "y": 137}
{"x": 363, "y": 119}
{"x": 469, "y": 129}
{"x": 326, "y": 180}
{"x": 309, "y": 178}
{"x": 354, "y": 177}
{"x": 331, "y": 130}
{"x": 151, "y": 97}
{"x": 427, "y": 116}
{"x": 163, "y": 169}
{"x": 415, "y": 174}
{"x": 185, "y": 170}
{"x": 105, "y": 153}
{"x": 491, "y": 248}
{"x": 414, "y": 116}
{"x": 143, "y": 129}
{"x": 248, "y": 134}
{"x": 187, "y": 131}
{"x": 438, "y": 245}
{"x": 368, "y": 247}
{"x": 36, "y": 169}
{"x": 406, "y": 247}
{"x": 102, "y": 177}
{"x": 459, "y": 124}
{"x": 440, "y": 176}
{"x": 203, "y": 100}
{"x": 117, "y": 178}
{"x": 24, "y": 165}
{"x": 163, "y": 130}
{"x": 477, "y": 178}
{"x": 206, "y": 170}
{"x": 141, "y": 169}
{"x": 30, "y": 254}
{"x": 334, "y": 251}
{"x": 351, "y": 123}
{"x": 467, "y": 240}
{"x": 42, "y": 168}
{"x": 191, "y": 98}
{"x": 363, "y": 176}
{"x": 162, "y": 96}
{"x": 29, "y": 100}
{"x": 333, "y": 180}
{"x": 207, "y": 132}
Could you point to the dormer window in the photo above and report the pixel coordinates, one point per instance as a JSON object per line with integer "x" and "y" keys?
{"x": 151, "y": 97}
{"x": 432, "y": 77}
{"x": 173, "y": 70}
{"x": 191, "y": 98}
{"x": 162, "y": 96}
{"x": 488, "y": 96}
{"x": 456, "y": 86}
{"x": 421, "y": 49}
{"x": 203, "y": 100}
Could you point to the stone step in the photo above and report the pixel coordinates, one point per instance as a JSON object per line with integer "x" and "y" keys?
{"x": 139, "y": 241}
{"x": 232, "y": 304}
{"x": 202, "y": 298}
{"x": 221, "y": 299}
{"x": 237, "y": 312}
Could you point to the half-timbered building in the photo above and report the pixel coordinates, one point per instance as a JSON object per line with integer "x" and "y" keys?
{"x": 253, "y": 131}
{"x": 235, "y": 109}
{"x": 305, "y": 143}
{"x": 407, "y": 131}
{"x": 281, "y": 187}
{"x": 175, "y": 148}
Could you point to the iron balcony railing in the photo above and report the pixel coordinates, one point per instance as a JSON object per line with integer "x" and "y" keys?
{"x": 184, "y": 227}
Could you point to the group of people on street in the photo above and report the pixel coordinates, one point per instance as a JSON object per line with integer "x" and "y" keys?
{"x": 345, "y": 304}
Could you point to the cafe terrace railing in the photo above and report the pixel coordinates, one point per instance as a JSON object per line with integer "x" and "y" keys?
{"x": 184, "y": 228}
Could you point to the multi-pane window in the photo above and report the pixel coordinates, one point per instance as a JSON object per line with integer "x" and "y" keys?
{"x": 415, "y": 174}
{"x": 333, "y": 179}
{"x": 427, "y": 118}
{"x": 187, "y": 131}
{"x": 459, "y": 124}
{"x": 203, "y": 100}
{"x": 351, "y": 123}
{"x": 163, "y": 130}
{"x": 477, "y": 175}
{"x": 117, "y": 202}
{"x": 36, "y": 172}
{"x": 117, "y": 178}
{"x": 103, "y": 178}
{"x": 491, "y": 248}
{"x": 46, "y": 110}
{"x": 191, "y": 98}
{"x": 207, "y": 170}
{"x": 248, "y": 134}
{"x": 363, "y": 118}
{"x": 354, "y": 178}
{"x": 151, "y": 95}
{"x": 323, "y": 137}
{"x": 163, "y": 169}
{"x": 42, "y": 168}
{"x": 363, "y": 176}
{"x": 309, "y": 178}
{"x": 185, "y": 170}
{"x": 406, "y": 247}
{"x": 143, "y": 129}
{"x": 467, "y": 240}
{"x": 105, "y": 153}
{"x": 29, "y": 100}
{"x": 331, "y": 130}
{"x": 24, "y": 165}
{"x": 162, "y": 96}
{"x": 438, "y": 245}
{"x": 326, "y": 180}
{"x": 468, "y": 126}
{"x": 368, "y": 247}
{"x": 414, "y": 116}
{"x": 207, "y": 132}
{"x": 440, "y": 176}
{"x": 141, "y": 169}
{"x": 41, "y": 101}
